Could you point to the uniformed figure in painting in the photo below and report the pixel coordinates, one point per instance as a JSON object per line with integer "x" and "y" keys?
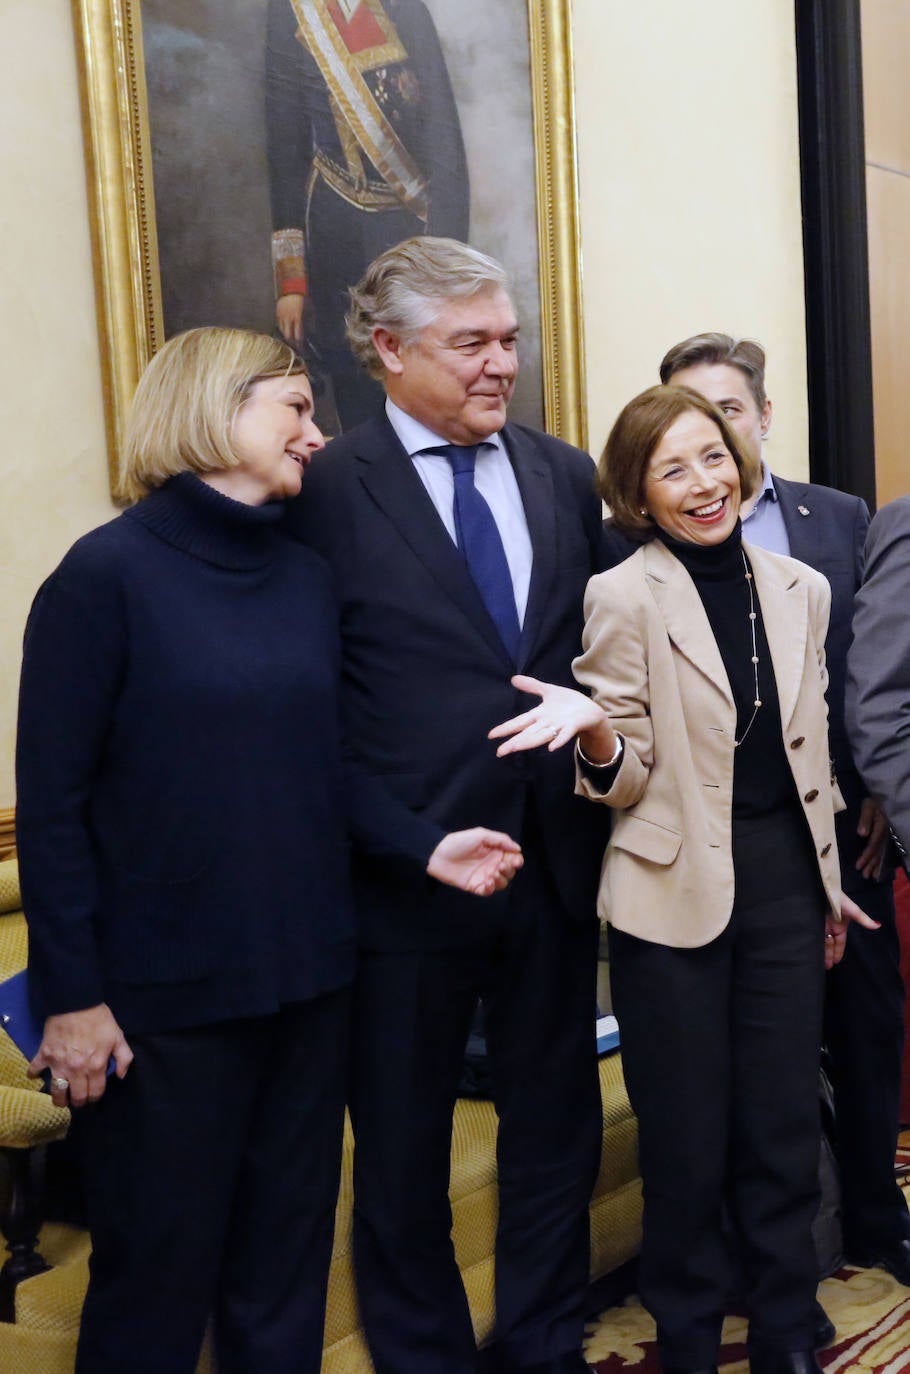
{"x": 365, "y": 149}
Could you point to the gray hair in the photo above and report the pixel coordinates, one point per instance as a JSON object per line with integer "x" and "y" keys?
{"x": 404, "y": 289}
{"x": 713, "y": 348}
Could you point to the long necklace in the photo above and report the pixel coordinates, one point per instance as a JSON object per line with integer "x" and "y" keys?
{"x": 757, "y": 701}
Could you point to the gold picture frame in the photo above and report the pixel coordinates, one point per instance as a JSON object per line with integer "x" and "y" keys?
{"x": 122, "y": 205}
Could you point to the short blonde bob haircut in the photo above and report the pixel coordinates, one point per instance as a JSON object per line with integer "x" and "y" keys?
{"x": 183, "y": 411}
{"x": 638, "y": 430}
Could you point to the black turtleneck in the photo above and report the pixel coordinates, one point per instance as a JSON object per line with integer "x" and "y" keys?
{"x": 184, "y": 804}
{"x": 199, "y": 520}
{"x": 762, "y": 780}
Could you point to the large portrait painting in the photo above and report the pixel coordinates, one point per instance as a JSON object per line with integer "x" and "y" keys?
{"x": 248, "y": 159}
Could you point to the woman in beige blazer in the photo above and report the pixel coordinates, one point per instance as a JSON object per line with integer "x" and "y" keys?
{"x": 706, "y": 731}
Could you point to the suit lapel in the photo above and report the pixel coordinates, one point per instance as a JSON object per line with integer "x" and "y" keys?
{"x": 684, "y": 615}
{"x": 535, "y": 482}
{"x": 803, "y": 531}
{"x": 784, "y": 600}
{"x": 392, "y": 482}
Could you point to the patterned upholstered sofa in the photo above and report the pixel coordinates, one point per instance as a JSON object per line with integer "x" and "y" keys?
{"x": 42, "y": 1339}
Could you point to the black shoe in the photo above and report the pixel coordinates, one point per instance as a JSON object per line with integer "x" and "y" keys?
{"x": 824, "y": 1331}
{"x": 765, "y": 1361}
{"x": 896, "y": 1259}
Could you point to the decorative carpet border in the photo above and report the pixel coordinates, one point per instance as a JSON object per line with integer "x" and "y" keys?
{"x": 869, "y": 1308}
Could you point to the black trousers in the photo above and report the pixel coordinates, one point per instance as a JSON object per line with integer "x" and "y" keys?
{"x": 720, "y": 1050}
{"x": 864, "y": 1034}
{"x": 211, "y": 1177}
{"x": 537, "y": 975}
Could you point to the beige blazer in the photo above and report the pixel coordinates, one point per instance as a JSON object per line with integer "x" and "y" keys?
{"x": 651, "y": 661}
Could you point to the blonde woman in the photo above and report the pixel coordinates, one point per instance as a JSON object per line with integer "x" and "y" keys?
{"x": 184, "y": 814}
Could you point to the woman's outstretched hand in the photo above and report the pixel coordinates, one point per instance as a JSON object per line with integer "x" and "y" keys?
{"x": 836, "y": 931}
{"x": 478, "y": 861}
{"x": 76, "y": 1048}
{"x": 563, "y": 715}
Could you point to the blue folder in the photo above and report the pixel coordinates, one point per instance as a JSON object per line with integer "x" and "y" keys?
{"x": 16, "y": 1015}
{"x": 20, "y": 1023}
{"x": 607, "y": 1034}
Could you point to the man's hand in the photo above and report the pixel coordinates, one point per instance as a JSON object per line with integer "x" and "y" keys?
{"x": 478, "y": 861}
{"x": 76, "y": 1048}
{"x": 836, "y": 931}
{"x": 289, "y": 315}
{"x": 873, "y": 827}
{"x": 563, "y": 714}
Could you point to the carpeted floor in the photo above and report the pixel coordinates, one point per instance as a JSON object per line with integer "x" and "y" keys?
{"x": 869, "y": 1308}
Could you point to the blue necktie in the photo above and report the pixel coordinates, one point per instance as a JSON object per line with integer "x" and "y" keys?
{"x": 481, "y": 546}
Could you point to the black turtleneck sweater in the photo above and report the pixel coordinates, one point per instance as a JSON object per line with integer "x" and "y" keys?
{"x": 184, "y": 803}
{"x": 762, "y": 780}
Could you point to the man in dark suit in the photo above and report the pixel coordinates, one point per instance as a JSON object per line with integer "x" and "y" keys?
{"x": 864, "y": 999}
{"x": 461, "y": 546}
{"x": 878, "y": 669}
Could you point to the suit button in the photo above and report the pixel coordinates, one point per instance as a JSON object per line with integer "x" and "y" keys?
{"x": 826, "y": 851}
{"x": 810, "y": 796}
{"x": 796, "y": 743}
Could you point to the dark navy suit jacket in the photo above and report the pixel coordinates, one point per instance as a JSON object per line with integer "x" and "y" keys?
{"x": 425, "y": 675}
{"x": 830, "y": 537}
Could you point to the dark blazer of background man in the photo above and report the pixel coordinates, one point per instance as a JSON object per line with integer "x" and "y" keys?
{"x": 826, "y": 529}
{"x": 426, "y": 676}
{"x": 878, "y": 678}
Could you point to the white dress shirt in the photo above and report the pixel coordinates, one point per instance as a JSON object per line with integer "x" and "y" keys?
{"x": 494, "y": 478}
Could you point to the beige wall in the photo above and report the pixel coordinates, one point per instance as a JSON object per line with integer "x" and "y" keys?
{"x": 886, "y": 42}
{"x": 54, "y": 475}
{"x": 689, "y": 172}
{"x": 690, "y": 205}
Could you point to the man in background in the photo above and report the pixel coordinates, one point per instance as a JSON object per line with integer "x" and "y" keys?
{"x": 878, "y": 667}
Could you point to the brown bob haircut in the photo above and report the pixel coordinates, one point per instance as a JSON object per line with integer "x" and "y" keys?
{"x": 638, "y": 430}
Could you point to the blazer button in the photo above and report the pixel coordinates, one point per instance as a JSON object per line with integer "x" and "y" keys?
{"x": 826, "y": 851}
{"x": 796, "y": 743}
{"x": 810, "y": 796}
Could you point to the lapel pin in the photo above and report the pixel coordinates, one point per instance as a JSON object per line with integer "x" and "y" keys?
{"x": 804, "y": 510}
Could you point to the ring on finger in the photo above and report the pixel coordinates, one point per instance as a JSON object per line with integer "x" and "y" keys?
{"x": 60, "y": 1085}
